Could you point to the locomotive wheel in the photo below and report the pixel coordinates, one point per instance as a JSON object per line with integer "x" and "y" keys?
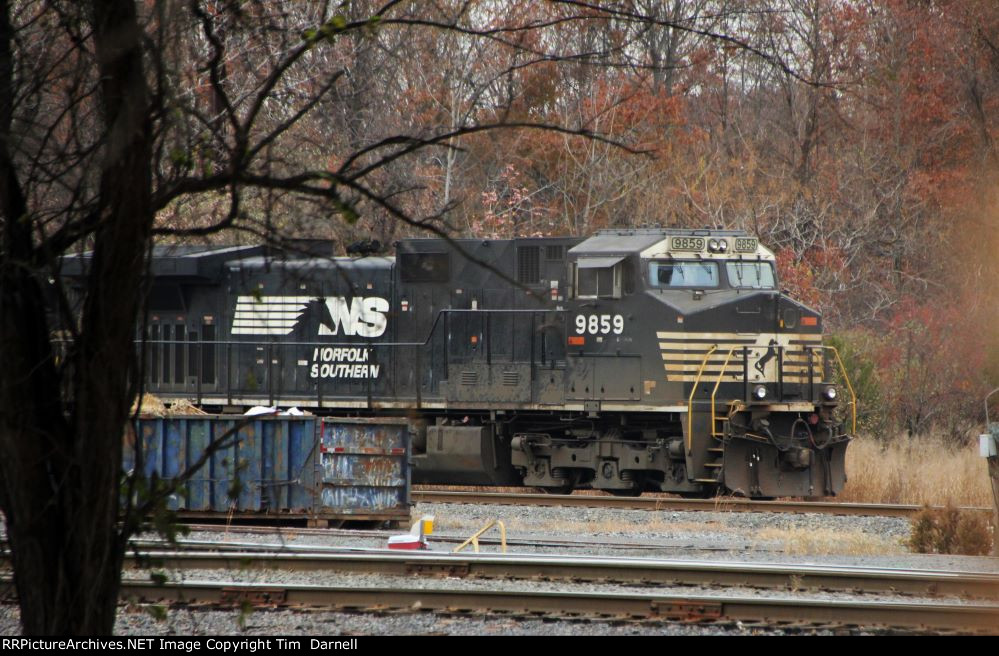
{"x": 571, "y": 480}
{"x": 561, "y": 489}
{"x": 631, "y": 492}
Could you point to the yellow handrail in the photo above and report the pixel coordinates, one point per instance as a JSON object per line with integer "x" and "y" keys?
{"x": 474, "y": 540}
{"x": 846, "y": 379}
{"x": 721, "y": 375}
{"x": 728, "y": 356}
{"x": 690, "y": 401}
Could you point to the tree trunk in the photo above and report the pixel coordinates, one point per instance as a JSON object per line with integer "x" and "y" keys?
{"x": 61, "y": 428}
{"x": 994, "y": 476}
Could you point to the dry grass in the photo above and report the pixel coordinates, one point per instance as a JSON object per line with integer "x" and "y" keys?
{"x": 811, "y": 541}
{"x": 922, "y": 470}
{"x": 151, "y": 406}
{"x": 184, "y": 407}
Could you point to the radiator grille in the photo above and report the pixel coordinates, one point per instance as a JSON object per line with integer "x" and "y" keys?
{"x": 529, "y": 265}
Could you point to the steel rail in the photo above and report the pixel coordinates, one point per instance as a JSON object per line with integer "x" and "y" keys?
{"x": 645, "y": 571}
{"x": 613, "y": 606}
{"x": 719, "y": 504}
{"x": 552, "y": 543}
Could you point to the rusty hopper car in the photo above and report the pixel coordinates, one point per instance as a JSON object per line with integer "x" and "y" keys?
{"x": 632, "y": 360}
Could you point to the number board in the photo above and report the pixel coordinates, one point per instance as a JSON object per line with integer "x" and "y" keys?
{"x": 686, "y": 244}
{"x": 746, "y": 244}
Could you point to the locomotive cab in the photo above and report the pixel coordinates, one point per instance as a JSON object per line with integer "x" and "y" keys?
{"x": 726, "y": 374}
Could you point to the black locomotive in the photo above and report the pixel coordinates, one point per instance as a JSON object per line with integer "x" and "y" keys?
{"x": 639, "y": 359}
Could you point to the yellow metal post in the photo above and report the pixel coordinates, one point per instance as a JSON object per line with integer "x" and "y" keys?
{"x": 474, "y": 540}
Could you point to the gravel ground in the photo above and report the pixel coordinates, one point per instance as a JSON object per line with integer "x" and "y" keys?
{"x": 756, "y": 537}
{"x": 752, "y": 537}
{"x": 188, "y": 624}
{"x": 334, "y": 579}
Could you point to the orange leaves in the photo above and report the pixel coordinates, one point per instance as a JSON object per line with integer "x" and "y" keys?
{"x": 510, "y": 209}
{"x": 797, "y": 276}
{"x": 930, "y": 359}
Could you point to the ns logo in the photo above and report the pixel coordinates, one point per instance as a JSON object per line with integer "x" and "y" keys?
{"x": 364, "y": 316}
{"x": 280, "y": 315}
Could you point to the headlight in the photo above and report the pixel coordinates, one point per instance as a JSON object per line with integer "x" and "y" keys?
{"x": 830, "y": 393}
{"x": 760, "y": 392}
{"x": 723, "y": 245}
{"x": 713, "y": 245}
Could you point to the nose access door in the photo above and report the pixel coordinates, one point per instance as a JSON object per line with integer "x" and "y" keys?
{"x": 801, "y": 361}
{"x": 766, "y": 359}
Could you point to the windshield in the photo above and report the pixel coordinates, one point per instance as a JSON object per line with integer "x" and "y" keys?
{"x": 683, "y": 274}
{"x": 751, "y": 275}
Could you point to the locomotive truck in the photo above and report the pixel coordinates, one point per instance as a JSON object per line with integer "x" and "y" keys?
{"x": 632, "y": 360}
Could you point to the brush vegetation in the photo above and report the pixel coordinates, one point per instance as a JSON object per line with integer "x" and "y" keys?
{"x": 918, "y": 471}
{"x": 928, "y": 471}
{"x": 950, "y": 531}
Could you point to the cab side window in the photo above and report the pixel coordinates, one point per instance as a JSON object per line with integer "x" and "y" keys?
{"x": 598, "y": 278}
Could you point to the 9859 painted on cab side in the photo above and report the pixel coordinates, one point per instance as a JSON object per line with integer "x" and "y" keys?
{"x": 632, "y": 360}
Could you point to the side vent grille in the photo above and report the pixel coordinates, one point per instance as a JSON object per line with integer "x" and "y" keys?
{"x": 469, "y": 378}
{"x": 511, "y": 378}
{"x": 529, "y": 264}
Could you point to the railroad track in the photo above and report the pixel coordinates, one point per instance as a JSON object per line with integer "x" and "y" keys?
{"x": 641, "y": 571}
{"x": 976, "y": 611}
{"x": 719, "y": 504}
{"x": 547, "y": 543}
{"x": 770, "y": 611}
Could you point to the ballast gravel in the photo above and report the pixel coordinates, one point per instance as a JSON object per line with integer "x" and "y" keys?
{"x": 728, "y": 536}
{"x": 190, "y": 624}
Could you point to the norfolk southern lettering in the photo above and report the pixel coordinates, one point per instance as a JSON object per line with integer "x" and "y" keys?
{"x": 341, "y": 362}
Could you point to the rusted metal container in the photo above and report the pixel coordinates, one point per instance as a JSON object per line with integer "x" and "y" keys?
{"x": 365, "y": 464}
{"x": 318, "y": 470}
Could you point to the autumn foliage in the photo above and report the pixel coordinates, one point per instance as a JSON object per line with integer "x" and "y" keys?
{"x": 861, "y": 148}
{"x": 857, "y": 139}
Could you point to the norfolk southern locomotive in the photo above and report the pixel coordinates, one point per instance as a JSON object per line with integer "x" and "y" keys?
{"x": 639, "y": 359}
